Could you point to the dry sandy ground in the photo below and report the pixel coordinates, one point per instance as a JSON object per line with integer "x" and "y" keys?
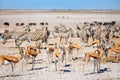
{"x": 77, "y": 70}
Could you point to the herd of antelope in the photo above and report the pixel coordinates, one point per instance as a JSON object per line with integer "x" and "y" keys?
{"x": 103, "y": 37}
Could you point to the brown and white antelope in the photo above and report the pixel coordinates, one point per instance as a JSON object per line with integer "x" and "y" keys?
{"x": 12, "y": 59}
{"x": 96, "y": 55}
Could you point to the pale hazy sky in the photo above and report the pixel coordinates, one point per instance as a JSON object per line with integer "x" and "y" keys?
{"x": 60, "y": 4}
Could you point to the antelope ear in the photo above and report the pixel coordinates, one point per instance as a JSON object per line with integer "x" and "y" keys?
{"x": 23, "y": 48}
{"x": 96, "y": 52}
{"x": 0, "y": 34}
{"x": 70, "y": 42}
{"x": 6, "y": 31}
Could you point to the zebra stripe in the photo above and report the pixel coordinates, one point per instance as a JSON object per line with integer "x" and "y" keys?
{"x": 34, "y": 36}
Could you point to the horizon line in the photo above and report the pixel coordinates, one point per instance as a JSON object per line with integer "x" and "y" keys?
{"x": 64, "y": 9}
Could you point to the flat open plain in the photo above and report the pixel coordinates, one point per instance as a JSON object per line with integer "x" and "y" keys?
{"x": 77, "y": 70}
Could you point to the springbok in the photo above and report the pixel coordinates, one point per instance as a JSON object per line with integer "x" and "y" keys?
{"x": 57, "y": 54}
{"x": 33, "y": 51}
{"x": 116, "y": 50}
{"x": 12, "y": 59}
{"x": 97, "y": 54}
{"x": 73, "y": 46}
{"x": 92, "y": 42}
{"x": 65, "y": 55}
{"x": 50, "y": 49}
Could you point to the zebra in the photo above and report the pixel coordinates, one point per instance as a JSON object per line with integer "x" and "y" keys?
{"x": 13, "y": 34}
{"x": 42, "y": 34}
{"x": 60, "y": 28}
{"x": 63, "y": 36}
{"x": 66, "y": 35}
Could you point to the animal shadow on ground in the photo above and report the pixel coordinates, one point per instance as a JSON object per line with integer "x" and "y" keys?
{"x": 66, "y": 70}
{"x": 10, "y": 76}
{"x": 38, "y": 61}
{"x": 101, "y": 71}
{"x": 15, "y": 75}
{"x": 104, "y": 70}
{"x": 67, "y": 65}
{"x": 75, "y": 58}
{"x": 39, "y": 68}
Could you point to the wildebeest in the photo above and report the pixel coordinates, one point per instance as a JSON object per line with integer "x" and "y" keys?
{"x": 42, "y": 23}
{"x": 17, "y": 24}
{"x": 46, "y": 23}
{"x": 6, "y": 24}
{"x": 32, "y": 24}
{"x": 22, "y": 24}
{"x": 86, "y": 23}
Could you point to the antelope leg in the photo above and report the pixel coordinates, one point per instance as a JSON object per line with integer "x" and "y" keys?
{"x": 33, "y": 61}
{"x": 12, "y": 66}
